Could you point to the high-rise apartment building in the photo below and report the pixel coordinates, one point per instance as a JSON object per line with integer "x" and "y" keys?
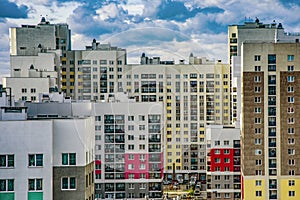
{"x": 194, "y": 95}
{"x": 269, "y": 137}
{"x": 264, "y": 57}
{"x": 36, "y": 54}
{"x": 91, "y": 73}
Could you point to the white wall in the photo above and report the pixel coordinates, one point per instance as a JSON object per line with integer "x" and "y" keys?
{"x": 74, "y": 136}
{"x": 22, "y": 138}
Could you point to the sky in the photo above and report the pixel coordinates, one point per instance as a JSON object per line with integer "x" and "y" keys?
{"x": 171, "y": 29}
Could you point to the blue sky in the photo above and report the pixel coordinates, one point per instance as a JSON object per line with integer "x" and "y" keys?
{"x": 171, "y": 29}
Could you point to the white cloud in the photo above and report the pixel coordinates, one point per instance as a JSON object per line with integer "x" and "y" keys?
{"x": 106, "y": 12}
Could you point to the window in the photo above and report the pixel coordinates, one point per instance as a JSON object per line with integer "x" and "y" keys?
{"x": 142, "y": 166}
{"x": 131, "y": 127}
{"x": 257, "y": 99}
{"x": 257, "y": 130}
{"x": 291, "y": 193}
{"x": 258, "y": 151}
{"x": 131, "y": 157}
{"x": 291, "y": 172}
{"x": 130, "y": 186}
{"x": 291, "y": 182}
{"x": 257, "y": 120}
{"x": 291, "y": 130}
{"x": 35, "y": 160}
{"x": 258, "y": 162}
{"x": 226, "y": 142}
{"x": 142, "y": 176}
{"x": 69, "y": 159}
{"x": 290, "y": 79}
{"x": 131, "y": 147}
{"x": 290, "y": 89}
{"x": 130, "y": 176}
{"x": 6, "y": 185}
{"x": 291, "y": 141}
{"x": 257, "y": 110}
{"x": 257, "y": 79}
{"x": 68, "y": 183}
{"x": 258, "y": 172}
{"x": 33, "y": 90}
{"x": 258, "y": 193}
{"x": 291, "y": 120}
{"x": 130, "y": 118}
{"x": 257, "y": 141}
{"x": 291, "y": 151}
{"x": 217, "y": 160}
{"x": 130, "y": 166}
{"x": 35, "y": 184}
{"x": 291, "y": 68}
{"x": 226, "y": 160}
{"x": 24, "y": 90}
{"x": 291, "y": 162}
{"x": 141, "y": 127}
{"x": 7, "y": 161}
{"x": 226, "y": 151}
{"x": 290, "y": 58}
{"x": 141, "y": 118}
{"x": 258, "y": 182}
{"x": 217, "y": 143}
{"x": 257, "y": 89}
{"x": 227, "y": 195}
{"x": 217, "y": 151}
{"x": 130, "y": 137}
{"x": 257, "y": 58}
{"x": 257, "y": 68}
{"x": 290, "y": 99}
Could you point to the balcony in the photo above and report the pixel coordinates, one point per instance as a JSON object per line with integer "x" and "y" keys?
{"x": 272, "y": 152}
{"x": 272, "y": 186}
{"x": 272, "y": 172}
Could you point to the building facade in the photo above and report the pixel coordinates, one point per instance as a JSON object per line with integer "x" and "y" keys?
{"x": 129, "y": 144}
{"x": 269, "y": 120}
{"x": 45, "y": 158}
{"x": 91, "y": 73}
{"x": 223, "y": 162}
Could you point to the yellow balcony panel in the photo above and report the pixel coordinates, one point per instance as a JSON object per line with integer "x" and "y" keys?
{"x": 72, "y": 80}
{"x": 64, "y": 80}
{"x": 169, "y": 129}
{"x": 72, "y": 73}
{"x": 169, "y": 87}
{"x": 169, "y": 101}
{"x": 72, "y": 87}
{"x": 177, "y": 129}
{"x": 80, "y": 87}
{"x": 63, "y": 73}
{"x": 63, "y": 59}
{"x": 79, "y": 73}
{"x": 169, "y": 115}
{"x": 169, "y": 108}
{"x": 64, "y": 87}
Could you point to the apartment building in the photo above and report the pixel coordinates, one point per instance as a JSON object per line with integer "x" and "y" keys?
{"x": 270, "y": 76}
{"x": 129, "y": 144}
{"x": 223, "y": 162}
{"x": 45, "y": 158}
{"x": 41, "y": 47}
{"x": 194, "y": 95}
{"x": 89, "y": 74}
